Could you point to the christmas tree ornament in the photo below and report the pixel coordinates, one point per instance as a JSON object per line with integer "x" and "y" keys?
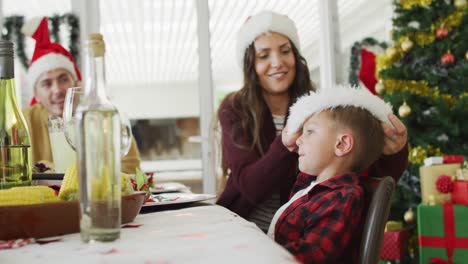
{"x": 380, "y": 87}
{"x": 460, "y": 3}
{"x": 409, "y": 216}
{"x": 466, "y": 55}
{"x": 391, "y": 52}
{"x": 407, "y": 45}
{"x": 404, "y": 110}
{"x": 442, "y": 32}
{"x": 447, "y": 58}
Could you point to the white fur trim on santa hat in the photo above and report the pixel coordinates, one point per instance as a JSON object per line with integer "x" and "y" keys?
{"x": 265, "y": 21}
{"x": 47, "y": 63}
{"x": 334, "y": 97}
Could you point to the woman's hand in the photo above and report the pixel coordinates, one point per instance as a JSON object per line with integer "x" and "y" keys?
{"x": 395, "y": 137}
{"x": 289, "y": 141}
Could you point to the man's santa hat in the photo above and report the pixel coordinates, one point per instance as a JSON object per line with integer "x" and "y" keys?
{"x": 339, "y": 96}
{"x": 47, "y": 55}
{"x": 263, "y": 22}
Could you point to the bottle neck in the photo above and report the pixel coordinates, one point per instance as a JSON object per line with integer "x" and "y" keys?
{"x": 7, "y": 69}
{"x": 95, "y": 85}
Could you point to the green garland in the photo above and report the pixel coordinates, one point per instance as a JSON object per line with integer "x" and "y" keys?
{"x": 12, "y": 31}
{"x": 354, "y": 63}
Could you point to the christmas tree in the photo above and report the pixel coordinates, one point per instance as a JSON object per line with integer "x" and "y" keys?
{"x": 424, "y": 75}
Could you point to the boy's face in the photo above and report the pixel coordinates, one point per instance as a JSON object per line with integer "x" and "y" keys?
{"x": 317, "y": 144}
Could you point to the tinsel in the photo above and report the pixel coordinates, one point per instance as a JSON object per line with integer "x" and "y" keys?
{"x": 408, "y": 4}
{"x": 12, "y": 31}
{"x": 355, "y": 62}
{"x": 421, "y": 38}
{"x": 418, "y": 154}
{"x": 384, "y": 61}
{"x": 450, "y": 22}
{"x": 420, "y": 88}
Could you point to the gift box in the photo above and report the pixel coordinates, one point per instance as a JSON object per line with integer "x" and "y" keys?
{"x": 395, "y": 245}
{"x": 443, "y": 233}
{"x": 428, "y": 177}
{"x": 460, "y": 192}
{"x": 462, "y": 174}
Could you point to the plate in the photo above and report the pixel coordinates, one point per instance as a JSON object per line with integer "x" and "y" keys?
{"x": 47, "y": 176}
{"x": 178, "y": 198}
{"x": 169, "y": 187}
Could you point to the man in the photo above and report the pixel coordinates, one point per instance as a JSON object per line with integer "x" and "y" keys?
{"x": 51, "y": 72}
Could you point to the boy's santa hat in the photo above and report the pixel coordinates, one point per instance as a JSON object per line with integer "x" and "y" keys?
{"x": 339, "y": 96}
{"x": 47, "y": 55}
{"x": 265, "y": 21}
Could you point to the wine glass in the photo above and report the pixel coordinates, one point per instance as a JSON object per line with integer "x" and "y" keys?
{"x": 72, "y": 99}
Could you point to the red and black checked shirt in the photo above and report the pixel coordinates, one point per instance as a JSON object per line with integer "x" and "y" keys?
{"x": 323, "y": 226}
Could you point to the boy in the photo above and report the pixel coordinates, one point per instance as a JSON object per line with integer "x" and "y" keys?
{"x": 341, "y": 136}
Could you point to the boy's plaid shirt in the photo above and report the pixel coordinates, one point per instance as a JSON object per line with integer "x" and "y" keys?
{"x": 325, "y": 225}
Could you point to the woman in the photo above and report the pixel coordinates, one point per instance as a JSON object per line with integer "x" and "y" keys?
{"x": 261, "y": 169}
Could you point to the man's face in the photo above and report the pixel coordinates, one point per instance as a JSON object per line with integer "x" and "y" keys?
{"x": 50, "y": 90}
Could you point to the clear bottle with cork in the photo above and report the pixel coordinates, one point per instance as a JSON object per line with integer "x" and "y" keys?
{"x": 98, "y": 147}
{"x": 15, "y": 143}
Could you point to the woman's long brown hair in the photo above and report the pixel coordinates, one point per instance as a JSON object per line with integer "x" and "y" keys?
{"x": 251, "y": 105}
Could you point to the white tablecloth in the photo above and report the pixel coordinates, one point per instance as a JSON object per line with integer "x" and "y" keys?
{"x": 204, "y": 234}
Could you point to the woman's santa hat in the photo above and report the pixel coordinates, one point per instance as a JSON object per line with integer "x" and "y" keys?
{"x": 340, "y": 96}
{"x": 47, "y": 55}
{"x": 263, "y": 22}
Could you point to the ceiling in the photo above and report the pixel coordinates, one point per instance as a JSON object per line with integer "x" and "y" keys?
{"x": 155, "y": 41}
{"x": 152, "y": 45}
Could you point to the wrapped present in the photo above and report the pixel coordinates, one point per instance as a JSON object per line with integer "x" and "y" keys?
{"x": 460, "y": 192}
{"x": 428, "y": 177}
{"x": 453, "y": 159}
{"x": 462, "y": 174}
{"x": 395, "y": 242}
{"x": 446, "y": 159}
{"x": 443, "y": 233}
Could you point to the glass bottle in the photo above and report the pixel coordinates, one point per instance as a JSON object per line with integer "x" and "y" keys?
{"x": 98, "y": 148}
{"x": 15, "y": 147}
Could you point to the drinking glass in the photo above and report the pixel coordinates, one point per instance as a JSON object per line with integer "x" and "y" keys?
{"x": 62, "y": 154}
{"x": 72, "y": 98}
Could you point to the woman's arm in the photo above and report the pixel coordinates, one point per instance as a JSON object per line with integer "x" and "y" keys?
{"x": 254, "y": 175}
{"x": 395, "y": 153}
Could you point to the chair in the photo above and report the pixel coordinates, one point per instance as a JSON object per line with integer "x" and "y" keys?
{"x": 378, "y": 195}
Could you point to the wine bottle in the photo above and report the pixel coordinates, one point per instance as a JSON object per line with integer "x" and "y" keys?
{"x": 15, "y": 143}
{"x": 98, "y": 147}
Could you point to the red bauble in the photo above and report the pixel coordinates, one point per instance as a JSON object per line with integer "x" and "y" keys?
{"x": 447, "y": 58}
{"x": 444, "y": 184}
{"x": 442, "y": 32}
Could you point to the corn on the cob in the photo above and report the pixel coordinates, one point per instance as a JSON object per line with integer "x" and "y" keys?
{"x": 69, "y": 188}
{"x": 27, "y": 195}
{"x": 126, "y": 184}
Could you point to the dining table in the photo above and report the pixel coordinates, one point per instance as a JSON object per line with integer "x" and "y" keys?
{"x": 193, "y": 233}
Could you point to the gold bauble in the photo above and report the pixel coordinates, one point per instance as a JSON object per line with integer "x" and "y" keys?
{"x": 391, "y": 52}
{"x": 409, "y": 216}
{"x": 460, "y": 3}
{"x": 379, "y": 87}
{"x": 404, "y": 110}
{"x": 407, "y": 45}
{"x": 466, "y": 55}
